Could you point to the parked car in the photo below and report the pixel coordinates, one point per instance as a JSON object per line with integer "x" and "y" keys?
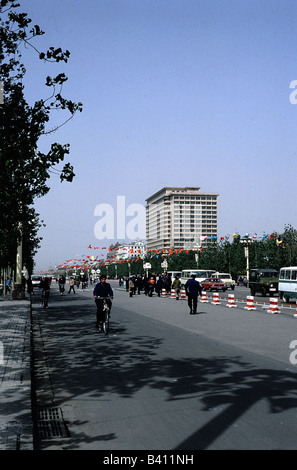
{"x": 36, "y": 280}
{"x": 213, "y": 283}
{"x": 227, "y": 279}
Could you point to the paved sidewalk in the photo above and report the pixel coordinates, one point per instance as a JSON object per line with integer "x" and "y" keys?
{"x": 16, "y": 425}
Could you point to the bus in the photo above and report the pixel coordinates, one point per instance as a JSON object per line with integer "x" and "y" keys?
{"x": 200, "y": 274}
{"x": 287, "y": 283}
{"x": 173, "y": 274}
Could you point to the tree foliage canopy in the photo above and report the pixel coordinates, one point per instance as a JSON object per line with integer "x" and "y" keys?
{"x": 226, "y": 256}
{"x": 25, "y": 170}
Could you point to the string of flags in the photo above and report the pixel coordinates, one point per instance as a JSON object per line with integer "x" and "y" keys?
{"x": 280, "y": 240}
{"x": 92, "y": 261}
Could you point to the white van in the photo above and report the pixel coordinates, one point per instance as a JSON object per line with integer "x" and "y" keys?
{"x": 174, "y": 273}
{"x": 226, "y": 278}
{"x": 287, "y": 283}
{"x": 200, "y": 274}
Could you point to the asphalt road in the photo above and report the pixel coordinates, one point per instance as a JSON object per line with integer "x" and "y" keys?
{"x": 163, "y": 379}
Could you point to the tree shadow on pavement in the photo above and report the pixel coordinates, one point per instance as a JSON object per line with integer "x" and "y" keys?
{"x": 128, "y": 362}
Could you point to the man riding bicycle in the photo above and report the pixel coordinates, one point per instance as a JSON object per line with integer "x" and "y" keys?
{"x": 102, "y": 289}
{"x": 45, "y": 286}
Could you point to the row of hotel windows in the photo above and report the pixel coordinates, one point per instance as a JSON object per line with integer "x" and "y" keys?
{"x": 196, "y": 198}
{"x": 194, "y": 203}
{"x": 205, "y": 210}
{"x": 204, "y": 215}
{"x": 207, "y": 228}
{"x": 186, "y": 223}
{"x": 183, "y": 204}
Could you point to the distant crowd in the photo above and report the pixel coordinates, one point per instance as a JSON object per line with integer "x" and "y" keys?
{"x": 149, "y": 284}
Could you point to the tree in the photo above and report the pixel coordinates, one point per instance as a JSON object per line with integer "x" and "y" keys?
{"x": 25, "y": 171}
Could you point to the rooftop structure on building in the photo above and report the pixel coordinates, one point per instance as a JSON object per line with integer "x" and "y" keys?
{"x": 128, "y": 250}
{"x": 181, "y": 218}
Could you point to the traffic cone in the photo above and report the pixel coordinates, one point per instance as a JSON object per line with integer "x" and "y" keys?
{"x": 203, "y": 297}
{"x": 250, "y": 303}
{"x": 231, "y": 302}
{"x": 295, "y": 315}
{"x": 216, "y": 300}
{"x": 183, "y": 294}
{"x": 163, "y": 293}
{"x": 273, "y": 306}
{"x": 173, "y": 294}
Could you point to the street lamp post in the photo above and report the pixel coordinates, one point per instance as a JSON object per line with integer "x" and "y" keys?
{"x": 246, "y": 241}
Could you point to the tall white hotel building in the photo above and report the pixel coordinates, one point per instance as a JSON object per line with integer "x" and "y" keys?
{"x": 180, "y": 218}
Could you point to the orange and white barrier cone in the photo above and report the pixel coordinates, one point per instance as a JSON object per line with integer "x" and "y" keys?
{"x": 295, "y": 314}
{"x": 163, "y": 293}
{"x": 173, "y": 294}
{"x": 273, "y": 306}
{"x": 231, "y": 302}
{"x": 250, "y": 303}
{"x": 203, "y": 297}
{"x": 183, "y": 294}
{"x": 216, "y": 299}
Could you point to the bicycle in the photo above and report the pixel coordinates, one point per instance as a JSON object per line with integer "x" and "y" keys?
{"x": 103, "y": 324}
{"x": 42, "y": 299}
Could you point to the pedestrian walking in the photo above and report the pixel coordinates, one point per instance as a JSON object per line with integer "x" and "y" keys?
{"x": 29, "y": 286}
{"x": 167, "y": 282}
{"x": 131, "y": 287}
{"x": 7, "y": 286}
{"x": 176, "y": 285}
{"x": 127, "y": 283}
{"x": 71, "y": 285}
{"x": 193, "y": 289}
{"x": 151, "y": 286}
{"x": 62, "y": 281}
{"x": 159, "y": 285}
{"x": 146, "y": 284}
{"x": 134, "y": 283}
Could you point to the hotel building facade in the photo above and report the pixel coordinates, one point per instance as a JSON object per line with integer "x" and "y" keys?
{"x": 180, "y": 218}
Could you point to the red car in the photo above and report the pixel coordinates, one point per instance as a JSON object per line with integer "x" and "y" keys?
{"x": 213, "y": 283}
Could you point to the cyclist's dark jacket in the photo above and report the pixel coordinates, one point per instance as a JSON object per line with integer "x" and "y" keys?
{"x": 103, "y": 290}
{"x": 44, "y": 284}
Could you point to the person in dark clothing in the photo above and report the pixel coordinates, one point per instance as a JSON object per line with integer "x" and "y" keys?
{"x": 146, "y": 285}
{"x": 29, "y": 286}
{"x": 62, "y": 281}
{"x": 127, "y": 283}
{"x": 7, "y": 286}
{"x": 167, "y": 282}
{"x": 151, "y": 286}
{"x": 71, "y": 285}
{"x": 139, "y": 284}
{"x": 159, "y": 286}
{"x": 45, "y": 286}
{"x": 134, "y": 279}
{"x": 102, "y": 289}
{"x": 193, "y": 289}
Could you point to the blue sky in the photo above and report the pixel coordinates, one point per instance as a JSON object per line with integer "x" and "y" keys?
{"x": 175, "y": 93}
